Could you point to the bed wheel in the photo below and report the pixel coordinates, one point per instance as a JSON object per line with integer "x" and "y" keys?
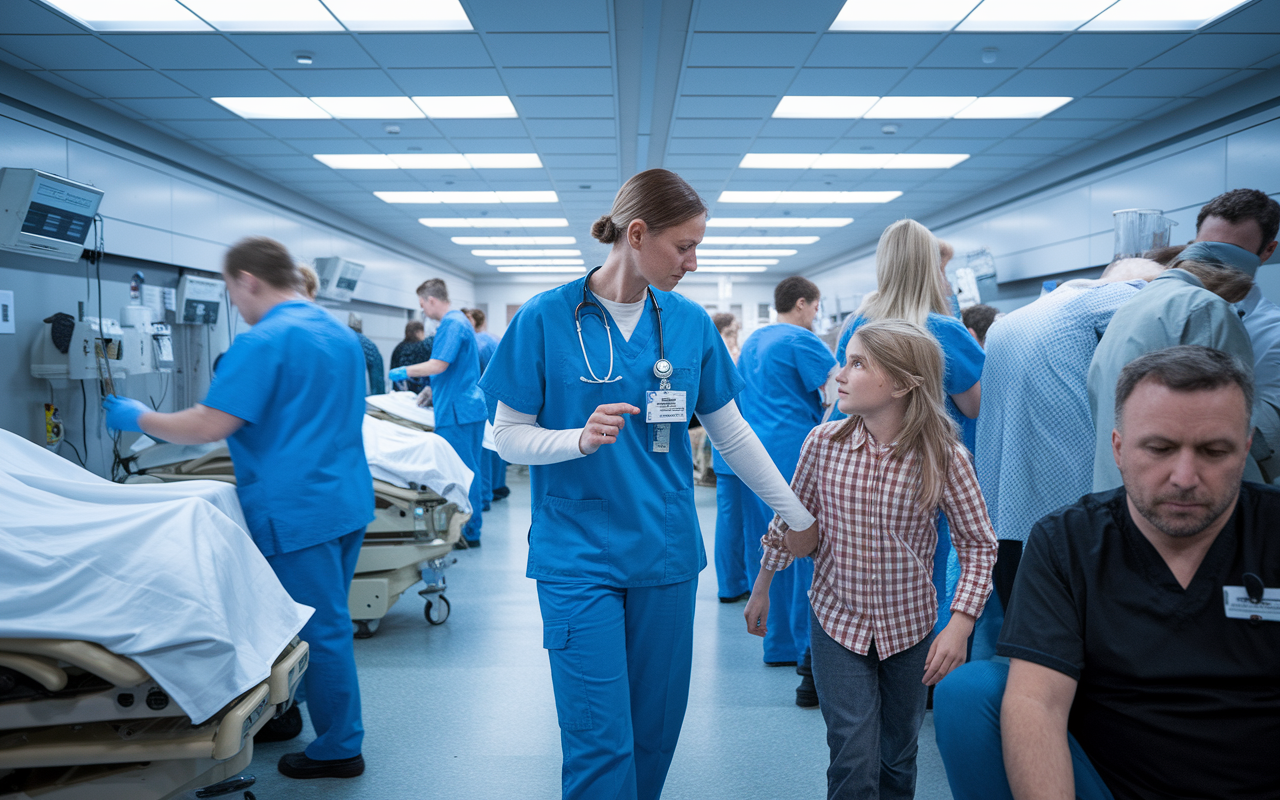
{"x": 437, "y": 611}
{"x": 365, "y": 628}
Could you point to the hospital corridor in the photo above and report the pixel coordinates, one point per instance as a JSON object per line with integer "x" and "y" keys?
{"x": 639, "y": 399}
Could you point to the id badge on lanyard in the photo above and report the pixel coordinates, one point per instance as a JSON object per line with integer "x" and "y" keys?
{"x": 662, "y": 408}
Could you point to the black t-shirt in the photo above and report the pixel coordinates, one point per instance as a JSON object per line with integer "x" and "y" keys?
{"x": 1175, "y": 700}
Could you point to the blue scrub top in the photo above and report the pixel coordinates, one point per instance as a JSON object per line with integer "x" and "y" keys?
{"x": 297, "y": 380}
{"x": 454, "y": 392}
{"x": 487, "y": 343}
{"x": 783, "y": 366}
{"x": 962, "y": 355}
{"x": 623, "y": 516}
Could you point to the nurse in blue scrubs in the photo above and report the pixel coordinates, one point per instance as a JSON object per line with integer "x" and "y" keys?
{"x": 289, "y": 399}
{"x": 454, "y": 370}
{"x": 593, "y": 384}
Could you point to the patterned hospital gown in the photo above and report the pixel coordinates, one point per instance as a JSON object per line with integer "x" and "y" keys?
{"x": 1035, "y": 433}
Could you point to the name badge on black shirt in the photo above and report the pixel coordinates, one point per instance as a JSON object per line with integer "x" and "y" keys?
{"x": 1240, "y": 606}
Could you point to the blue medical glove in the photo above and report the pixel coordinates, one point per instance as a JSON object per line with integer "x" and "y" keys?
{"x": 399, "y": 374}
{"x": 123, "y": 413}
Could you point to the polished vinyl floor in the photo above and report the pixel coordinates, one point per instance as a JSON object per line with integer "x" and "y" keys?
{"x": 464, "y": 710}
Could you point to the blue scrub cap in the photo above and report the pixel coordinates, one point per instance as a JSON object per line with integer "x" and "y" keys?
{"x": 1221, "y": 253}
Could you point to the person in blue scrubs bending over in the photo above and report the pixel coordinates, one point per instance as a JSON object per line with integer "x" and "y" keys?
{"x": 454, "y": 369}
{"x": 289, "y": 399}
{"x": 593, "y": 385}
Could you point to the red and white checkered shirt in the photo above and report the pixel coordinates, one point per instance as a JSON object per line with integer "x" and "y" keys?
{"x": 873, "y": 568}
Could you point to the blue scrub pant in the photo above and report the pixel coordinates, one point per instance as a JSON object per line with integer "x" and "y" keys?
{"x": 730, "y": 555}
{"x": 620, "y": 664}
{"x": 320, "y": 576}
{"x": 966, "y": 717}
{"x": 788, "y": 622}
{"x": 468, "y": 441}
{"x": 495, "y": 469}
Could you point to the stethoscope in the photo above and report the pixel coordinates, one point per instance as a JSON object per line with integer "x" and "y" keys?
{"x": 662, "y": 369}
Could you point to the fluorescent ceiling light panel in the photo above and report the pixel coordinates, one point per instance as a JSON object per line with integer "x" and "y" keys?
{"x": 778, "y": 160}
{"x": 467, "y": 198}
{"x": 925, "y": 160}
{"x": 821, "y": 198}
{"x": 356, "y": 161}
{"x": 778, "y": 222}
{"x": 823, "y": 107}
{"x": 130, "y": 15}
{"x": 265, "y": 15}
{"x": 701, "y": 268}
{"x": 759, "y": 240}
{"x": 851, "y": 160}
{"x": 431, "y": 161}
{"x": 400, "y": 15}
{"x": 369, "y": 107}
{"x": 543, "y": 269}
{"x": 745, "y": 253}
{"x": 504, "y": 160}
{"x": 1161, "y": 15}
{"x": 533, "y": 262}
{"x": 1024, "y": 15}
{"x": 467, "y": 107}
{"x": 272, "y": 107}
{"x": 902, "y": 15}
{"x": 513, "y": 240}
{"x": 918, "y": 107}
{"x": 738, "y": 262}
{"x": 1012, "y": 107}
{"x": 525, "y": 253}
{"x": 498, "y": 222}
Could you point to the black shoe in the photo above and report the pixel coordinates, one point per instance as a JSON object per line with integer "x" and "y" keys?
{"x": 297, "y": 765}
{"x": 928, "y": 703}
{"x": 807, "y": 693}
{"x": 501, "y": 493}
{"x": 466, "y": 544}
{"x": 282, "y": 728}
{"x": 779, "y": 663}
{"x": 737, "y": 599}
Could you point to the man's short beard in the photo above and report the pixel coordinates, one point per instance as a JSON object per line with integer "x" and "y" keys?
{"x": 1182, "y": 527}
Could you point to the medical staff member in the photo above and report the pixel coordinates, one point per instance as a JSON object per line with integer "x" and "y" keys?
{"x": 494, "y": 468}
{"x": 289, "y": 399}
{"x": 593, "y": 385}
{"x": 454, "y": 369}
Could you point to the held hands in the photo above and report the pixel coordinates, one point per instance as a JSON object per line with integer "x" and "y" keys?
{"x": 399, "y": 374}
{"x": 604, "y": 425}
{"x": 123, "y": 413}
{"x": 801, "y": 543}
{"x": 948, "y": 650}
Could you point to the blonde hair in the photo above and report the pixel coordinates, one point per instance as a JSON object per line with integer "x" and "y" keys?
{"x": 659, "y": 197}
{"x": 908, "y": 279}
{"x": 912, "y": 359}
{"x": 310, "y": 281}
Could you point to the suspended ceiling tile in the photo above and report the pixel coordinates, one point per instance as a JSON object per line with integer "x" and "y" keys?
{"x": 980, "y": 128}
{"x": 440, "y": 81}
{"x": 847, "y": 81}
{"x": 119, "y": 109}
{"x": 893, "y": 144}
{"x": 749, "y": 49}
{"x": 340, "y": 82}
{"x": 126, "y": 83}
{"x": 806, "y": 128}
{"x": 550, "y": 49}
{"x": 872, "y": 49}
{"x": 1162, "y": 82}
{"x": 696, "y": 106}
{"x": 30, "y": 17}
{"x": 907, "y": 128}
{"x": 481, "y": 127}
{"x": 1220, "y": 50}
{"x": 707, "y": 146}
{"x": 418, "y": 50}
{"x": 722, "y": 162}
{"x": 1169, "y": 105}
{"x": 260, "y": 147}
{"x": 20, "y": 63}
{"x": 217, "y": 129}
{"x": 1012, "y": 50}
{"x": 292, "y": 161}
{"x": 177, "y": 108}
{"x": 562, "y": 80}
{"x": 329, "y": 50}
{"x": 1115, "y": 50}
{"x": 1031, "y": 146}
{"x": 1108, "y": 107}
{"x": 387, "y": 144}
{"x": 934, "y": 82}
{"x": 171, "y": 129}
{"x": 493, "y": 145}
{"x": 1229, "y": 80}
{"x": 520, "y": 15}
{"x": 1057, "y": 82}
{"x": 71, "y": 86}
{"x": 735, "y": 81}
{"x": 67, "y": 52}
{"x": 303, "y": 128}
{"x": 208, "y": 147}
{"x": 600, "y": 146}
{"x": 1002, "y": 161}
{"x": 181, "y": 51}
{"x": 715, "y": 128}
{"x": 232, "y": 82}
{"x": 565, "y": 107}
{"x": 586, "y": 175}
{"x": 766, "y": 15}
{"x": 571, "y": 127}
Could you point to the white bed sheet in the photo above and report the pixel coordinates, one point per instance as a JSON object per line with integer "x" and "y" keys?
{"x": 170, "y": 581}
{"x": 401, "y": 455}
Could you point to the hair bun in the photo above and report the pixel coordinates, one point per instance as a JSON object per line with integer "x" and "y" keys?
{"x": 604, "y": 231}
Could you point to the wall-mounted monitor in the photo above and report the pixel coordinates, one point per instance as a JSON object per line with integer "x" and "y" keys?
{"x": 45, "y": 215}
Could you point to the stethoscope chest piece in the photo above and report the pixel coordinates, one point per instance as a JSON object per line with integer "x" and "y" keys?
{"x": 662, "y": 369}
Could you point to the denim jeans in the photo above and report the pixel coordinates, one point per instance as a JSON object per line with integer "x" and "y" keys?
{"x": 873, "y": 710}
{"x": 966, "y": 716}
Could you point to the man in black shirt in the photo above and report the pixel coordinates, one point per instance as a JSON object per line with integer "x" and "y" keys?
{"x": 1140, "y": 664}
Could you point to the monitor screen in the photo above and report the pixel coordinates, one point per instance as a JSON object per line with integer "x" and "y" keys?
{"x": 60, "y": 211}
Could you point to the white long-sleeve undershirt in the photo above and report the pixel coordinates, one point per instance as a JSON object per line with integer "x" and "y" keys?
{"x": 521, "y": 440}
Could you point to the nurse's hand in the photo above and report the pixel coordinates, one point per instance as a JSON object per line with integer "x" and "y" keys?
{"x": 801, "y": 543}
{"x": 604, "y": 425}
{"x": 399, "y": 374}
{"x": 123, "y": 413}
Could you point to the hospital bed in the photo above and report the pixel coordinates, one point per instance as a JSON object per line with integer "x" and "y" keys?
{"x": 414, "y": 529}
{"x": 78, "y": 722}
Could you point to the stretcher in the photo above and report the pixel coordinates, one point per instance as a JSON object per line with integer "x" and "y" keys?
{"x": 78, "y": 722}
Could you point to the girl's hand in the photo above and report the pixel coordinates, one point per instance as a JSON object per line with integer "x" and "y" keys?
{"x": 948, "y": 650}
{"x": 757, "y": 612}
{"x": 801, "y": 543}
{"x": 604, "y": 426}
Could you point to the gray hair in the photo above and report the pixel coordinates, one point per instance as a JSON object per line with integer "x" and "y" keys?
{"x": 1185, "y": 368}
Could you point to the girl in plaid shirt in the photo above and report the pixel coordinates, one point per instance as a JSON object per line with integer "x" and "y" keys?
{"x": 876, "y": 482}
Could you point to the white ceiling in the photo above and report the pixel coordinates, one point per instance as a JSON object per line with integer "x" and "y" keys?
{"x": 603, "y": 91}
